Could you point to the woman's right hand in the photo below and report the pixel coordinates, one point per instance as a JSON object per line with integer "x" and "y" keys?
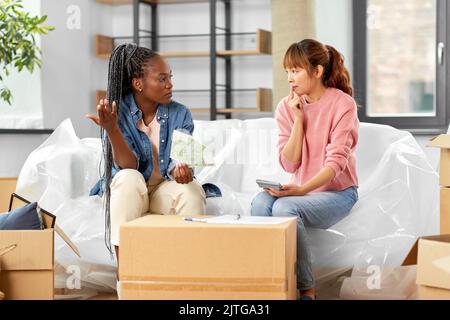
{"x": 107, "y": 117}
{"x": 296, "y": 104}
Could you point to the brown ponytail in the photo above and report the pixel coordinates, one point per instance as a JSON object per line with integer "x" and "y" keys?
{"x": 309, "y": 54}
{"x": 336, "y": 74}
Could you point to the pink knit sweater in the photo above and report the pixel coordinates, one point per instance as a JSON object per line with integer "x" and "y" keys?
{"x": 330, "y": 136}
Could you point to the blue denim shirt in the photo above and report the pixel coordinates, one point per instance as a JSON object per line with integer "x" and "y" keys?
{"x": 173, "y": 116}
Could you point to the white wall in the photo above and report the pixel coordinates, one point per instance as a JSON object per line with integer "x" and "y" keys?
{"x": 68, "y": 84}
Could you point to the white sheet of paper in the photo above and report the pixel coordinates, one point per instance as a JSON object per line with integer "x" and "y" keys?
{"x": 231, "y": 219}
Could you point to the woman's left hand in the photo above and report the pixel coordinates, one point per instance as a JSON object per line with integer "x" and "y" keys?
{"x": 182, "y": 173}
{"x": 287, "y": 190}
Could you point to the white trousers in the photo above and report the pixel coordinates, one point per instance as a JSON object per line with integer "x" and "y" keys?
{"x": 132, "y": 197}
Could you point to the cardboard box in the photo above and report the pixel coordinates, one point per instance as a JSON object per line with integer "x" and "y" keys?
{"x": 430, "y": 293}
{"x": 7, "y": 187}
{"x": 165, "y": 257}
{"x": 443, "y": 142}
{"x": 432, "y": 256}
{"x": 29, "y": 266}
{"x": 445, "y": 211}
{"x": 27, "y": 270}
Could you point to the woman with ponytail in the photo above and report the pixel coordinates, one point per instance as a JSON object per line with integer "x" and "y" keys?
{"x": 318, "y": 133}
{"x": 137, "y": 121}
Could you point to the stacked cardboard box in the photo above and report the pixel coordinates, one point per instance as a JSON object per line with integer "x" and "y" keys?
{"x": 432, "y": 256}
{"x": 7, "y": 186}
{"x": 443, "y": 142}
{"x": 165, "y": 257}
{"x": 28, "y": 270}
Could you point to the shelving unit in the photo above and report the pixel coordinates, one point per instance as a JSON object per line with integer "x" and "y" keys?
{"x": 124, "y": 2}
{"x": 263, "y": 101}
{"x": 105, "y": 44}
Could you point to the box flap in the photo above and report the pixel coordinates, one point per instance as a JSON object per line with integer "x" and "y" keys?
{"x": 411, "y": 257}
{"x": 16, "y": 201}
{"x": 67, "y": 240}
{"x": 433, "y": 262}
{"x": 440, "y": 141}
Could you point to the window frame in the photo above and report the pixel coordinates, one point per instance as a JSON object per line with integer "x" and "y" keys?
{"x": 435, "y": 124}
{"x": 26, "y": 131}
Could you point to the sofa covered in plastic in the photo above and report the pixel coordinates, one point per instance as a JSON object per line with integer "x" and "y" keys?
{"x": 398, "y": 201}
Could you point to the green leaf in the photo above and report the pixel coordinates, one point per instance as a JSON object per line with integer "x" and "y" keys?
{"x": 6, "y": 95}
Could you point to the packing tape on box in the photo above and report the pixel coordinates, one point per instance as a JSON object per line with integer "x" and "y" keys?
{"x": 204, "y": 284}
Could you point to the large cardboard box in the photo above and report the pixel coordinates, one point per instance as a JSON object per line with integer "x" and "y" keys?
{"x": 27, "y": 270}
{"x": 443, "y": 142}
{"x": 445, "y": 211}
{"x": 165, "y": 257}
{"x": 432, "y": 256}
{"x": 7, "y": 186}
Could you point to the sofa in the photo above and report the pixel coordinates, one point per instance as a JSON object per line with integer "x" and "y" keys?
{"x": 398, "y": 197}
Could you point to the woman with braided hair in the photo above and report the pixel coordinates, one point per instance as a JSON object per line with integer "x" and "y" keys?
{"x": 136, "y": 129}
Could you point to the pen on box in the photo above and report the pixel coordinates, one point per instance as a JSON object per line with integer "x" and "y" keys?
{"x": 195, "y": 220}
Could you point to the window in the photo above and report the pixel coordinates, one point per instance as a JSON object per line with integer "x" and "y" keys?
{"x": 400, "y": 62}
{"x": 25, "y": 113}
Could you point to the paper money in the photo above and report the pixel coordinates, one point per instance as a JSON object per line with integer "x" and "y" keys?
{"x": 187, "y": 150}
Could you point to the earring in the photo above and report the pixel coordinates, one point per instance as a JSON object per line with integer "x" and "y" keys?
{"x": 140, "y": 90}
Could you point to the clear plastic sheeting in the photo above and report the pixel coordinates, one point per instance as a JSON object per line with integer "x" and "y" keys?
{"x": 398, "y": 201}
{"x": 383, "y": 284}
{"x": 59, "y": 175}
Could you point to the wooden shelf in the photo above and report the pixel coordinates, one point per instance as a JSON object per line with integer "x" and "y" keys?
{"x": 185, "y": 54}
{"x": 263, "y": 103}
{"x": 104, "y": 46}
{"x": 264, "y": 100}
{"x": 227, "y": 110}
{"x": 128, "y": 2}
{"x": 99, "y": 94}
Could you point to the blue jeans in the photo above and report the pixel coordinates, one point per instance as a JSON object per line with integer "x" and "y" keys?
{"x": 318, "y": 210}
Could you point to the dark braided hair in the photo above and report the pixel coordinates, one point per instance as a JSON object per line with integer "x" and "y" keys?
{"x": 127, "y": 62}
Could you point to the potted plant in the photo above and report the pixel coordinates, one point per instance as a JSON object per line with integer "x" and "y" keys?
{"x": 18, "y": 48}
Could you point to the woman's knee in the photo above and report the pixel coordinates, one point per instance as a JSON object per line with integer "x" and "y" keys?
{"x": 262, "y": 204}
{"x": 284, "y": 208}
{"x": 128, "y": 179}
{"x": 193, "y": 191}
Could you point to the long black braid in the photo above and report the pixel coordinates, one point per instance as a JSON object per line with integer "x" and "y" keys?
{"x": 128, "y": 61}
